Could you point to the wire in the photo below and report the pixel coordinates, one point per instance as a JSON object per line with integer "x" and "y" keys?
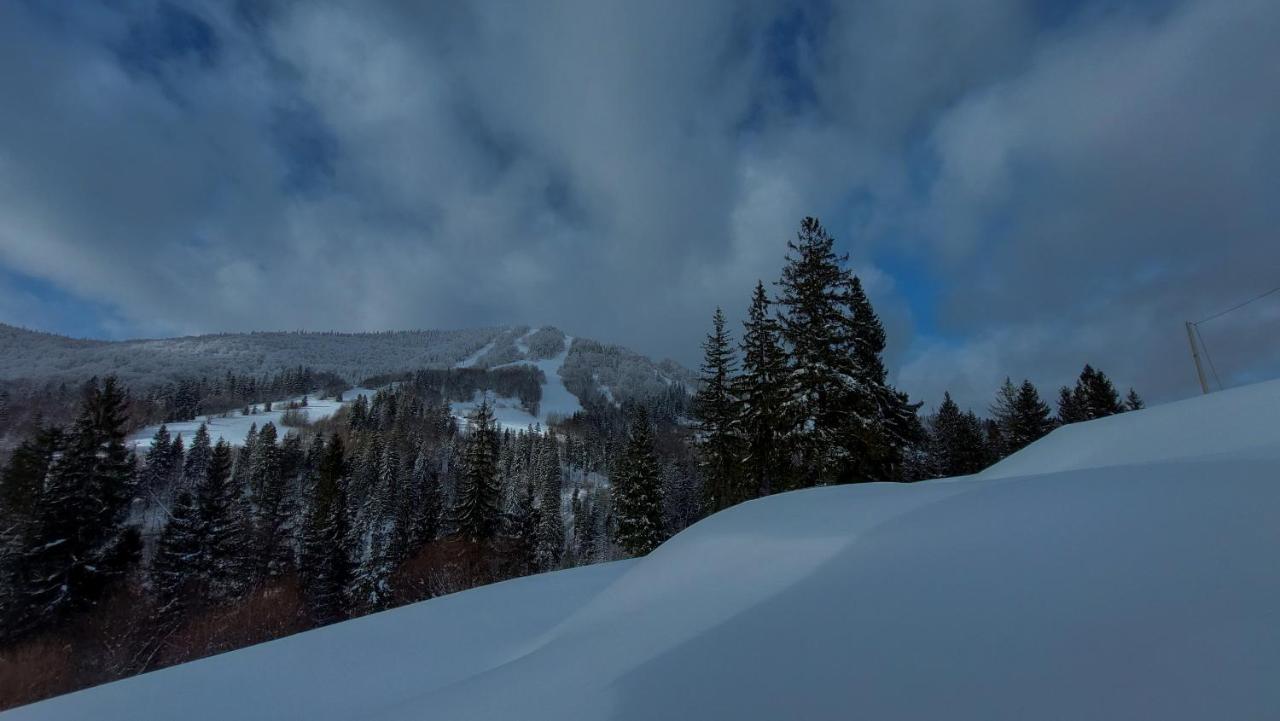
{"x": 1208, "y": 357}
{"x": 1239, "y": 305}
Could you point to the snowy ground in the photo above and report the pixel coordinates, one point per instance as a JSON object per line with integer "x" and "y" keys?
{"x": 556, "y": 399}
{"x": 1118, "y": 569}
{"x": 235, "y": 427}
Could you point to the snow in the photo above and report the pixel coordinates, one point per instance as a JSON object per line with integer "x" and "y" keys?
{"x": 471, "y": 360}
{"x": 234, "y": 428}
{"x": 1231, "y": 422}
{"x": 556, "y": 399}
{"x": 1117, "y": 569}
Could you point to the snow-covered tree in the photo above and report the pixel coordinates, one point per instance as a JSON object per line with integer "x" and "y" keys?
{"x": 221, "y": 528}
{"x": 717, "y": 412}
{"x": 477, "y": 515}
{"x": 549, "y": 547}
{"x": 846, "y": 422}
{"x": 197, "y": 462}
{"x": 761, "y": 393}
{"x": 326, "y": 556}
{"x": 637, "y": 490}
{"x": 78, "y": 543}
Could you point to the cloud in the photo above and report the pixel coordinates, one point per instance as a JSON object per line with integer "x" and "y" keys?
{"x": 619, "y": 169}
{"x": 1112, "y": 190}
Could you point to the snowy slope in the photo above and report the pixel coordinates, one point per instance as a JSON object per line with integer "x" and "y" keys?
{"x": 234, "y": 428}
{"x": 556, "y": 401}
{"x": 1235, "y": 422}
{"x": 1088, "y": 579}
{"x": 354, "y": 356}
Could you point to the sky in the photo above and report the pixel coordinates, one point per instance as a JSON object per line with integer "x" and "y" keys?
{"x": 1023, "y": 187}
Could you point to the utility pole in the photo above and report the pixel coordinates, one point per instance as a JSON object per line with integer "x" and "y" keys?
{"x": 1195, "y": 355}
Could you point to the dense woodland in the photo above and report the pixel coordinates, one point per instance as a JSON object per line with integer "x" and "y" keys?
{"x": 113, "y": 563}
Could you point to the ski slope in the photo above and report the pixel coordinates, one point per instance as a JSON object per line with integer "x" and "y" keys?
{"x": 234, "y": 427}
{"x": 556, "y": 402}
{"x": 1117, "y": 569}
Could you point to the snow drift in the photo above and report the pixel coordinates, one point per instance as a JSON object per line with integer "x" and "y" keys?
{"x": 1118, "y": 569}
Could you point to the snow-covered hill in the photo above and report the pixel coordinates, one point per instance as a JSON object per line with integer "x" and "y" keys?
{"x": 1117, "y": 569}
{"x": 576, "y": 369}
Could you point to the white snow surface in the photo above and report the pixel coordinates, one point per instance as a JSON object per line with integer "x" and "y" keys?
{"x": 556, "y": 399}
{"x": 235, "y": 427}
{"x": 1117, "y": 569}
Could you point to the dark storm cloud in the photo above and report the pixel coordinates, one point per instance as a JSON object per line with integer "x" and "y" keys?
{"x": 620, "y": 168}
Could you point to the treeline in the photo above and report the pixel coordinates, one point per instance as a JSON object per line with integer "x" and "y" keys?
{"x": 460, "y": 385}
{"x": 26, "y": 406}
{"x": 958, "y": 443}
{"x": 803, "y": 400}
{"x": 187, "y": 398}
{"x": 112, "y": 565}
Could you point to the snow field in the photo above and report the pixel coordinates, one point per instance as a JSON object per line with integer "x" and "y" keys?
{"x": 1116, "y": 569}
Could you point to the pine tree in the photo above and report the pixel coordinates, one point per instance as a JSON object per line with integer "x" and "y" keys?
{"x": 761, "y": 395}
{"x": 716, "y": 411}
{"x": 272, "y": 550}
{"x": 959, "y": 441}
{"x": 326, "y": 558}
{"x": 196, "y": 464}
{"x": 1133, "y": 402}
{"x": 1022, "y": 417}
{"x": 242, "y": 469}
{"x": 177, "y": 458}
{"x": 477, "y": 515}
{"x": 1099, "y": 395}
{"x": 385, "y": 546}
{"x": 1069, "y": 407}
{"x": 521, "y": 531}
{"x": 427, "y": 500}
{"x": 221, "y": 531}
{"x": 1092, "y": 397}
{"x": 550, "y": 531}
{"x": 176, "y": 566}
{"x": 22, "y": 488}
{"x": 1032, "y": 419}
{"x": 586, "y": 530}
{"x": 159, "y": 464}
{"x": 637, "y": 490}
{"x": 78, "y": 542}
{"x": 846, "y": 423}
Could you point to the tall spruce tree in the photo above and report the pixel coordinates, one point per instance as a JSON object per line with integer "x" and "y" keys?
{"x": 845, "y": 421}
{"x": 220, "y": 527}
{"x": 326, "y": 552}
{"x": 427, "y": 500}
{"x": 959, "y": 441}
{"x": 197, "y": 461}
{"x": 549, "y": 547}
{"x": 1022, "y": 417}
{"x": 761, "y": 394}
{"x": 889, "y": 423}
{"x": 521, "y": 530}
{"x": 1032, "y": 419}
{"x": 159, "y": 463}
{"x": 1069, "y": 407}
{"x": 1099, "y": 396}
{"x": 78, "y": 542}
{"x": 23, "y": 484}
{"x": 176, "y": 566}
{"x": 272, "y": 551}
{"x": 477, "y": 514}
{"x": 716, "y": 411}
{"x": 1133, "y": 401}
{"x": 637, "y": 490}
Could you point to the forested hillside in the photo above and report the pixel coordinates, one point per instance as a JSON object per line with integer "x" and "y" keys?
{"x": 256, "y": 518}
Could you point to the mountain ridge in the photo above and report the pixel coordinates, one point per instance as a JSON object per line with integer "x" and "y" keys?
{"x": 613, "y": 371}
